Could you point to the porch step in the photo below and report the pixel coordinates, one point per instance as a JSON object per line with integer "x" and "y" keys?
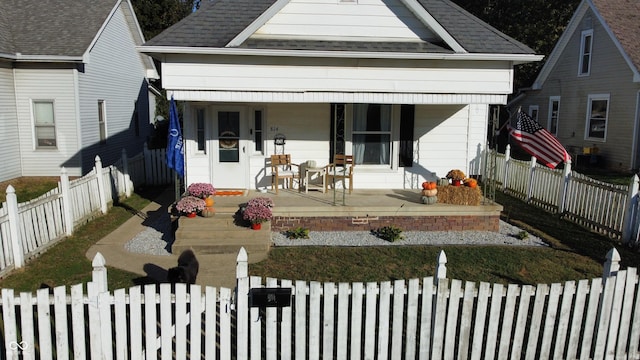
{"x": 220, "y": 235}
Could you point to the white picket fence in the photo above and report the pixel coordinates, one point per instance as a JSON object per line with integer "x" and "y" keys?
{"x": 607, "y": 208}
{"x": 429, "y": 318}
{"x": 29, "y": 228}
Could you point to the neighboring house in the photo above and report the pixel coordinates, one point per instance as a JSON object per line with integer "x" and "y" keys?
{"x": 588, "y": 91}
{"x": 72, "y": 85}
{"x": 402, "y": 85}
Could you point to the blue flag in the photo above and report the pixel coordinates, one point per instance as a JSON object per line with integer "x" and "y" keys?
{"x": 175, "y": 145}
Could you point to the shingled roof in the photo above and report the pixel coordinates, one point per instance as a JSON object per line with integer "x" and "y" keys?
{"x": 53, "y": 28}
{"x": 623, "y": 18}
{"x": 216, "y": 23}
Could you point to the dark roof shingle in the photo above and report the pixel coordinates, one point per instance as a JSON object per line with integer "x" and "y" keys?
{"x": 51, "y": 27}
{"x": 216, "y": 23}
{"x": 623, "y": 17}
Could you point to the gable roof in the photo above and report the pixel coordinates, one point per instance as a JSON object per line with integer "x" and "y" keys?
{"x": 229, "y": 24}
{"x": 57, "y": 30}
{"x": 619, "y": 18}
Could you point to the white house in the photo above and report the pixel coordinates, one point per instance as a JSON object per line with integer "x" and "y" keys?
{"x": 72, "y": 85}
{"x": 402, "y": 85}
{"x": 588, "y": 91}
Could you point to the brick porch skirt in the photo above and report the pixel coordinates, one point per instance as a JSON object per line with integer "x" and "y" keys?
{"x": 405, "y": 223}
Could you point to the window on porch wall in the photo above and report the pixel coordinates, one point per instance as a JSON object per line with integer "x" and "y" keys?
{"x": 371, "y": 135}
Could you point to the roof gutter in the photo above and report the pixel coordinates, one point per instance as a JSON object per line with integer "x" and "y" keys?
{"x": 515, "y": 58}
{"x": 18, "y": 57}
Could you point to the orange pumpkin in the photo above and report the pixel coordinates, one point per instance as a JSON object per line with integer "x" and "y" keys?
{"x": 472, "y": 183}
{"x": 429, "y": 185}
{"x": 425, "y": 185}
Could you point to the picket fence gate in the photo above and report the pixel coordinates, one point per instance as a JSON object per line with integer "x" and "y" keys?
{"x": 429, "y": 318}
{"x": 29, "y": 228}
{"x": 612, "y": 210}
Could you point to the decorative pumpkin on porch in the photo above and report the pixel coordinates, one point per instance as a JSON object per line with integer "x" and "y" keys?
{"x": 430, "y": 192}
{"x": 429, "y": 200}
{"x": 472, "y": 183}
{"x": 429, "y": 185}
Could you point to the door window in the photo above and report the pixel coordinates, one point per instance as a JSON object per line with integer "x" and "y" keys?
{"x": 229, "y": 136}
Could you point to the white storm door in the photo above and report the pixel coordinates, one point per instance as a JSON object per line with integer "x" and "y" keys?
{"x": 229, "y": 156}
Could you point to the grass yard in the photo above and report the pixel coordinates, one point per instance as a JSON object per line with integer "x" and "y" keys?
{"x": 574, "y": 253}
{"x": 28, "y": 187}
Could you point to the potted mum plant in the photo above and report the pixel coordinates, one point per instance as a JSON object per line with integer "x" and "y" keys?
{"x": 257, "y": 211}
{"x": 456, "y": 176}
{"x": 201, "y": 190}
{"x": 190, "y": 205}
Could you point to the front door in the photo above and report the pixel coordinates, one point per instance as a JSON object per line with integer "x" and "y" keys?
{"x": 229, "y": 157}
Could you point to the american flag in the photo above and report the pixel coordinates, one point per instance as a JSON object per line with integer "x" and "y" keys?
{"x": 538, "y": 142}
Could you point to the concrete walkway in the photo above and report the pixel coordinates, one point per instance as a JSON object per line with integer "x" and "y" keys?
{"x": 215, "y": 269}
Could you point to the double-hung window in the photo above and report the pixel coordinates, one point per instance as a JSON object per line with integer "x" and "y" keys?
{"x": 371, "y": 134}
{"x": 44, "y": 124}
{"x": 586, "y": 47}
{"x": 554, "y": 113}
{"x": 597, "y": 116}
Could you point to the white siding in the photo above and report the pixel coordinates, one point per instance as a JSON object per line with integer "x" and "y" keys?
{"x": 447, "y": 137}
{"x": 9, "y": 144}
{"x": 361, "y": 20}
{"x": 115, "y": 74}
{"x": 59, "y": 86}
{"x": 339, "y": 75}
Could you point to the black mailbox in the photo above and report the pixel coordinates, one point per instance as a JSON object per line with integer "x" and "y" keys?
{"x": 270, "y": 297}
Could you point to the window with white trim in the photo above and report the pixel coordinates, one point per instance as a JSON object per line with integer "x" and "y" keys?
{"x": 554, "y": 114}
{"x": 371, "y": 134}
{"x": 44, "y": 124}
{"x": 102, "y": 121}
{"x": 533, "y": 111}
{"x": 586, "y": 47}
{"x": 597, "y": 116}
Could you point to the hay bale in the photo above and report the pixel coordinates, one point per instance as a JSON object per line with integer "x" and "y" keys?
{"x": 459, "y": 195}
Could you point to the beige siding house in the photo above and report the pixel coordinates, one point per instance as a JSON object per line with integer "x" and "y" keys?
{"x": 72, "y": 86}
{"x": 588, "y": 91}
{"x": 403, "y": 86}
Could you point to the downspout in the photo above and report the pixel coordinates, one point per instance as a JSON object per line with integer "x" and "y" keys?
{"x": 15, "y": 97}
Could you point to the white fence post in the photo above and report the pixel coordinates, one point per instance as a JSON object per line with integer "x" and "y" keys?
{"x": 441, "y": 268}
{"x": 14, "y": 225}
{"x": 99, "y": 274}
{"x": 612, "y": 265}
{"x": 532, "y": 170}
{"x": 65, "y": 189}
{"x": 242, "y": 304}
{"x": 128, "y": 185}
{"x": 564, "y": 185}
{"x": 103, "y": 197}
{"x": 507, "y": 160}
{"x": 630, "y": 216}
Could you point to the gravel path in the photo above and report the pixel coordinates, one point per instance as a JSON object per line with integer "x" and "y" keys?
{"x": 158, "y": 237}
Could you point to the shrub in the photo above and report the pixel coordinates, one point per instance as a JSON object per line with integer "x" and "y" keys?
{"x": 297, "y": 233}
{"x": 389, "y": 233}
{"x": 522, "y": 235}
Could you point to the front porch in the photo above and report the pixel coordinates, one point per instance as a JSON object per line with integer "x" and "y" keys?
{"x": 365, "y": 209}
